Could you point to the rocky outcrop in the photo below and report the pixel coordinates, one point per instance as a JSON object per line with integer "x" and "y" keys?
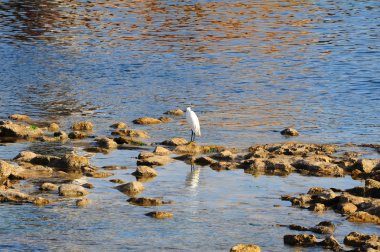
{"x": 193, "y": 148}
{"x": 20, "y": 131}
{"x": 362, "y": 241}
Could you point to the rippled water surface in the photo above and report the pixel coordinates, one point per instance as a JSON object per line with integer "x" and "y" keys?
{"x": 250, "y": 68}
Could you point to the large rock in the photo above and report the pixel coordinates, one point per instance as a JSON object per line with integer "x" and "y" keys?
{"x": 245, "y": 248}
{"x": 324, "y": 227}
{"x": 367, "y": 165}
{"x": 175, "y": 141}
{"x": 13, "y": 195}
{"x": 6, "y": 169}
{"x": 72, "y": 163}
{"x": 304, "y": 240}
{"x": 361, "y": 216}
{"x": 131, "y": 188}
{"x": 331, "y": 243}
{"x": 105, "y": 142}
{"x": 356, "y": 239}
{"x": 155, "y": 160}
{"x": 225, "y": 155}
{"x": 25, "y": 156}
{"x": 20, "y": 131}
{"x": 176, "y": 112}
{"x": 71, "y": 190}
{"x": 19, "y": 117}
{"x": 204, "y": 160}
{"x": 146, "y": 120}
{"x": 85, "y": 126}
{"x": 310, "y": 167}
{"x": 193, "y": 148}
{"x": 144, "y": 171}
{"x": 159, "y": 150}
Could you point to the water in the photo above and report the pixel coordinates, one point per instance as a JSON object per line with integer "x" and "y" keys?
{"x": 250, "y": 68}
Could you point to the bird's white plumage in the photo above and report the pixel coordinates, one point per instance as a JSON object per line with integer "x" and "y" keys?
{"x": 192, "y": 120}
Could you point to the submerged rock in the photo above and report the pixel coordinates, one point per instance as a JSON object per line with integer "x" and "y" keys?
{"x": 148, "y": 201}
{"x": 165, "y": 119}
{"x": 245, "y": 248}
{"x": 48, "y": 187}
{"x": 324, "y": 227}
{"x": 83, "y": 202}
{"x": 85, "y": 126}
{"x": 290, "y": 132}
{"x": 97, "y": 174}
{"x": 146, "y": 121}
{"x": 78, "y": 135}
{"x": 160, "y": 215}
{"x": 39, "y": 201}
{"x": 114, "y": 167}
{"x": 71, "y": 190}
{"x": 117, "y": 181}
{"x": 131, "y": 188}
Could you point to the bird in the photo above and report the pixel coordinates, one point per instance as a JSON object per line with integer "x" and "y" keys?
{"x": 192, "y": 120}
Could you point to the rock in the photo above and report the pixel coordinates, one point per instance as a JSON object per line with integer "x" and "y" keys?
{"x": 225, "y": 155}
{"x": 25, "y": 156}
{"x": 40, "y": 201}
{"x": 298, "y": 227}
{"x": 176, "y": 141}
{"x": 254, "y": 166}
{"x": 144, "y": 171}
{"x": 219, "y": 166}
{"x": 146, "y": 121}
{"x": 145, "y": 154}
{"x": 290, "y": 132}
{"x": 131, "y": 188}
{"x": 347, "y": 208}
{"x": 88, "y": 185}
{"x": 165, "y": 119}
{"x": 176, "y": 112}
{"x": 321, "y": 169}
{"x": 119, "y": 125}
{"x": 348, "y": 198}
{"x": 61, "y": 135}
{"x": 331, "y": 243}
{"x": 371, "y": 183}
{"x": 193, "y": 148}
{"x": 117, "y": 181}
{"x": 304, "y": 240}
{"x": 105, "y": 142}
{"x": 97, "y": 174}
{"x": 160, "y": 214}
{"x": 48, "y": 187}
{"x": 6, "y": 169}
{"x": 155, "y": 160}
{"x": 82, "y": 202}
{"x": 367, "y": 165}
{"x": 361, "y": 216}
{"x": 321, "y": 194}
{"x": 129, "y": 141}
{"x": 71, "y": 190}
{"x": 204, "y": 161}
{"x": 356, "y": 239}
{"x": 114, "y": 167}
{"x": 13, "y": 195}
{"x": 85, "y": 126}
{"x": 53, "y": 127}
{"x": 72, "y": 163}
{"x": 317, "y": 207}
{"x": 245, "y": 248}
{"x": 278, "y": 166}
{"x": 147, "y": 202}
{"x": 77, "y": 135}
{"x": 18, "y": 117}
{"x": 131, "y": 133}
{"x": 161, "y": 151}
{"x": 324, "y": 227}
{"x": 20, "y": 131}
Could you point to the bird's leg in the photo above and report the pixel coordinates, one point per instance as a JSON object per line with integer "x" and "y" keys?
{"x": 191, "y": 138}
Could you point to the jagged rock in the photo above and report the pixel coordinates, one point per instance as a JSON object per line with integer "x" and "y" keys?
{"x": 6, "y": 169}
{"x": 193, "y": 148}
{"x": 367, "y": 165}
{"x": 371, "y": 183}
{"x": 290, "y": 132}
{"x": 347, "y": 208}
{"x": 176, "y": 112}
{"x": 131, "y": 133}
{"x": 72, "y": 163}
{"x": 71, "y": 190}
{"x": 97, "y": 174}
{"x": 204, "y": 161}
{"x": 77, "y": 135}
{"x": 318, "y": 168}
{"x": 219, "y": 166}
{"x": 86, "y": 126}
{"x": 48, "y": 187}
{"x": 40, "y": 201}
{"x": 161, "y": 151}
{"x": 225, "y": 155}
{"x": 298, "y": 227}
{"x": 160, "y": 214}
{"x": 129, "y": 141}
{"x": 304, "y": 240}
{"x": 146, "y": 121}
{"x": 324, "y": 227}
{"x": 145, "y": 154}
{"x": 155, "y": 160}
{"x": 131, "y": 188}
{"x": 83, "y": 202}
{"x": 331, "y": 243}
{"x": 165, "y": 119}
{"x": 148, "y": 201}
{"x": 13, "y": 195}
{"x": 25, "y": 156}
{"x": 18, "y": 117}
{"x": 356, "y": 239}
{"x": 245, "y": 248}
{"x": 117, "y": 181}
{"x": 144, "y": 171}
{"x": 61, "y": 135}
{"x": 176, "y": 141}
{"x": 88, "y": 185}
{"x": 119, "y": 125}
{"x": 20, "y": 131}
{"x": 317, "y": 207}
{"x": 361, "y": 216}
{"x": 53, "y": 127}
{"x": 105, "y": 142}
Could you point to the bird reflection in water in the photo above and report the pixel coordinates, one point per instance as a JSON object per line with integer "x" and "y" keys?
{"x": 192, "y": 178}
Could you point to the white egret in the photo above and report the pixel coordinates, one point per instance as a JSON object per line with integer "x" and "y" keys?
{"x": 192, "y": 120}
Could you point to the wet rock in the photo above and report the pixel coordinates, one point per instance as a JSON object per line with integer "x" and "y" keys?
{"x": 161, "y": 151}
{"x": 193, "y": 148}
{"x": 145, "y": 154}
{"x": 204, "y": 161}
{"x": 88, "y": 185}
{"x": 176, "y": 141}
{"x": 72, "y": 163}
{"x": 298, "y": 227}
{"x": 146, "y": 121}
{"x": 318, "y": 207}
{"x": 331, "y": 243}
{"x": 6, "y": 169}
{"x": 322, "y": 195}
{"x": 61, "y": 135}
{"x": 289, "y": 132}
{"x": 71, "y": 190}
{"x": 324, "y": 227}
{"x": 347, "y": 208}
{"x": 78, "y": 135}
{"x": 356, "y": 239}
{"x": 301, "y": 201}
{"x": 165, "y": 119}
{"x": 371, "y": 183}
{"x": 119, "y": 125}
{"x": 131, "y": 188}
{"x": 39, "y": 201}
{"x": 361, "y": 216}
{"x": 117, "y": 181}
{"x": 85, "y": 126}
{"x": 225, "y": 155}
{"x": 48, "y": 187}
{"x": 83, "y": 202}
{"x": 160, "y": 215}
{"x": 176, "y": 112}
{"x": 105, "y": 142}
{"x": 321, "y": 169}
{"x": 131, "y": 133}
{"x": 154, "y": 160}
{"x": 20, "y": 131}
{"x": 25, "y": 156}
{"x": 114, "y": 167}
{"x": 296, "y": 149}
{"x": 367, "y": 165}
{"x": 254, "y": 166}
{"x": 147, "y": 201}
{"x": 129, "y": 141}
{"x": 144, "y": 171}
{"x": 304, "y": 240}
{"x": 13, "y": 195}
{"x": 189, "y": 158}
{"x": 220, "y": 166}
{"x": 18, "y": 117}
{"x": 348, "y": 198}
{"x": 245, "y": 248}
{"x": 278, "y": 166}
{"x": 97, "y": 174}
{"x": 53, "y": 127}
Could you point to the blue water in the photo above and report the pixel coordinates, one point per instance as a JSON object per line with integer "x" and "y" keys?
{"x": 250, "y": 68}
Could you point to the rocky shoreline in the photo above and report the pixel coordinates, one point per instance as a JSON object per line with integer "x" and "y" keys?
{"x": 60, "y": 176}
